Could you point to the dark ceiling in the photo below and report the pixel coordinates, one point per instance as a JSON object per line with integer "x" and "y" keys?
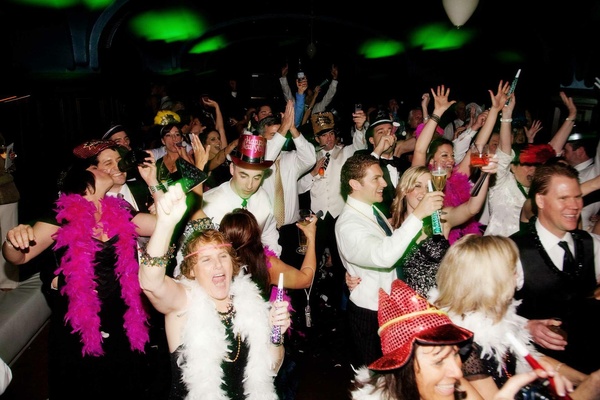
{"x": 553, "y": 43}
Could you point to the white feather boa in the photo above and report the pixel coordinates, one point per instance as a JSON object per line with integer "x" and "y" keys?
{"x": 492, "y": 336}
{"x": 205, "y": 344}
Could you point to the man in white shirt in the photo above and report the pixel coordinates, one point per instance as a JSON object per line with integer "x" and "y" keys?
{"x": 369, "y": 248}
{"x": 323, "y": 182}
{"x": 281, "y": 183}
{"x": 244, "y": 190}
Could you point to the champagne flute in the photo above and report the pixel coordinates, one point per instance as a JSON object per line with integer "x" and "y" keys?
{"x": 439, "y": 174}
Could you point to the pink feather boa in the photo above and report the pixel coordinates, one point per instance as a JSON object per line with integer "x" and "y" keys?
{"x": 78, "y": 268}
{"x": 458, "y": 191}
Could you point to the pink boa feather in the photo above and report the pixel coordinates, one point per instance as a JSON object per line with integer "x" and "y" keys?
{"x": 77, "y": 266}
{"x": 458, "y": 191}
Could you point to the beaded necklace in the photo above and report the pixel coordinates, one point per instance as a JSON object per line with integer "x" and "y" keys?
{"x": 227, "y": 320}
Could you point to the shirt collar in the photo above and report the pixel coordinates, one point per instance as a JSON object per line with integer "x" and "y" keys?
{"x": 548, "y": 239}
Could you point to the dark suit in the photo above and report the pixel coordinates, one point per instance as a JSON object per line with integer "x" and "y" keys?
{"x": 548, "y": 293}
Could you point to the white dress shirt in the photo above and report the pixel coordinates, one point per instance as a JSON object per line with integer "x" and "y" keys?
{"x": 222, "y": 199}
{"x": 368, "y": 253}
{"x": 325, "y": 191}
{"x": 588, "y": 170}
{"x": 127, "y": 195}
{"x": 505, "y": 200}
{"x": 293, "y": 164}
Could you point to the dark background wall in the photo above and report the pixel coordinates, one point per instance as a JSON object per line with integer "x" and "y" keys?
{"x": 78, "y": 69}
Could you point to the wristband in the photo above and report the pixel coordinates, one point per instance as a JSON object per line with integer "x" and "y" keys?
{"x": 153, "y": 189}
{"x": 505, "y": 119}
{"x": 570, "y": 119}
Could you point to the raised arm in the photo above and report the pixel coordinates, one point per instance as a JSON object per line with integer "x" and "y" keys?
{"x": 441, "y": 104}
{"x": 562, "y": 134}
{"x": 162, "y": 291}
{"x": 483, "y": 136}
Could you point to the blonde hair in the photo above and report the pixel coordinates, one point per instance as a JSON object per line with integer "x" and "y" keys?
{"x": 405, "y": 186}
{"x": 478, "y": 274}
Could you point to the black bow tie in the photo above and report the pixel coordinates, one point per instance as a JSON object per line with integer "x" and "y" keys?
{"x": 386, "y": 161}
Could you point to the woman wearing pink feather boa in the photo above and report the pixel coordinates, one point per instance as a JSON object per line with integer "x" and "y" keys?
{"x": 99, "y": 323}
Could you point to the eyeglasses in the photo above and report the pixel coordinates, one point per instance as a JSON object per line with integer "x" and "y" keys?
{"x": 173, "y": 135}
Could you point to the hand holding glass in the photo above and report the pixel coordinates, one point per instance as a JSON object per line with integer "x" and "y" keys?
{"x": 480, "y": 155}
{"x": 304, "y": 219}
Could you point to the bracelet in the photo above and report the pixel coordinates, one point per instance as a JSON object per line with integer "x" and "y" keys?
{"x": 570, "y": 119}
{"x": 425, "y": 119}
{"x": 157, "y": 188}
{"x": 505, "y": 119}
{"x": 558, "y": 366}
{"x": 435, "y": 118}
{"x": 8, "y": 241}
{"x": 160, "y": 262}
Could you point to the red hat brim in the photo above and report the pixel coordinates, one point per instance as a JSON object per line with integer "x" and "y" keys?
{"x": 240, "y": 163}
{"x": 443, "y": 335}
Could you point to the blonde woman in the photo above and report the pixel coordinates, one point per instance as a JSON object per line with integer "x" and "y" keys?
{"x": 481, "y": 300}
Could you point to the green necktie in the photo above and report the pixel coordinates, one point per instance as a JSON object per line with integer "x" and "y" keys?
{"x": 244, "y": 203}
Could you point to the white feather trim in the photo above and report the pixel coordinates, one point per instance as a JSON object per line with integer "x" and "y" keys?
{"x": 206, "y": 346}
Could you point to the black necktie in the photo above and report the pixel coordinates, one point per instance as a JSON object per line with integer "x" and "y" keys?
{"x": 326, "y": 162}
{"x": 381, "y": 222}
{"x": 384, "y": 162}
{"x": 568, "y": 259}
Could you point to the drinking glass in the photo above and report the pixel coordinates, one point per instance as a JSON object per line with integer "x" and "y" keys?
{"x": 439, "y": 173}
{"x": 480, "y": 155}
{"x": 303, "y": 219}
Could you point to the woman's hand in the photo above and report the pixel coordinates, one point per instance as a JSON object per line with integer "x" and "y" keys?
{"x": 430, "y": 203}
{"x": 352, "y": 281}
{"x": 200, "y": 152}
{"x": 20, "y": 237}
{"x": 171, "y": 207}
{"x": 279, "y": 315}
{"x": 310, "y": 229}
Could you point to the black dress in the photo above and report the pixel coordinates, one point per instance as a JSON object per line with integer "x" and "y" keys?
{"x": 120, "y": 372}
{"x": 421, "y": 262}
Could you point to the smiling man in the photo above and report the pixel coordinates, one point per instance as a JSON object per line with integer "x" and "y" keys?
{"x": 369, "y": 248}
{"x": 107, "y": 159}
{"x": 556, "y": 284}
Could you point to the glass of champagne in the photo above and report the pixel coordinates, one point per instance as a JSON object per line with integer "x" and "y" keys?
{"x": 439, "y": 173}
{"x": 303, "y": 219}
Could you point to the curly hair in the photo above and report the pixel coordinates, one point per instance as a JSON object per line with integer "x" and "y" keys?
{"x": 205, "y": 238}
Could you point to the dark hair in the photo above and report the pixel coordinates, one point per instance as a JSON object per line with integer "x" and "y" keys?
{"x": 266, "y": 122}
{"x": 167, "y": 128}
{"x": 543, "y": 175}
{"x": 434, "y": 145}
{"x": 355, "y": 168}
{"x": 589, "y": 145}
{"x": 76, "y": 179}
{"x": 242, "y": 230}
{"x": 400, "y": 383}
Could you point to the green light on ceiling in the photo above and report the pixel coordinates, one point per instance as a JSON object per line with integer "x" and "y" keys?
{"x": 381, "y": 48}
{"x": 60, "y": 4}
{"x": 209, "y": 45}
{"x": 439, "y": 37}
{"x": 509, "y": 57}
{"x": 168, "y": 25}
